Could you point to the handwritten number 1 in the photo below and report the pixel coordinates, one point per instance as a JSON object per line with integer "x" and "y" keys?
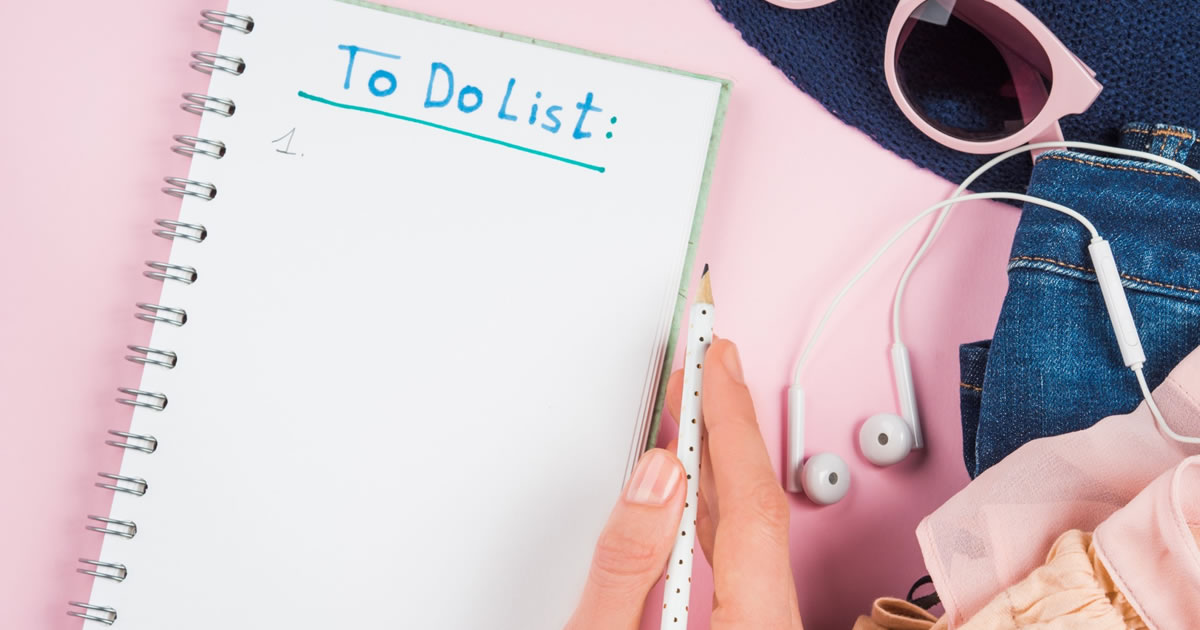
{"x": 287, "y": 148}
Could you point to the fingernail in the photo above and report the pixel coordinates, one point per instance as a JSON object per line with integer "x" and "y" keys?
{"x": 733, "y": 365}
{"x": 654, "y": 480}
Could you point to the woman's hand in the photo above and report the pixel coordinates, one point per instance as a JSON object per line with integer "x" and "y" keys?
{"x": 742, "y": 519}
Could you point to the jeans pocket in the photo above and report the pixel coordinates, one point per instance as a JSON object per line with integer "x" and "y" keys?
{"x": 1054, "y": 366}
{"x": 972, "y": 364}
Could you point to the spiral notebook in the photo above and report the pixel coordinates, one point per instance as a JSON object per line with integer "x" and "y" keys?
{"x": 411, "y": 334}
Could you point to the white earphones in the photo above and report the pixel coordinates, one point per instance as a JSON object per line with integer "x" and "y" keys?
{"x": 825, "y": 479}
{"x": 887, "y": 438}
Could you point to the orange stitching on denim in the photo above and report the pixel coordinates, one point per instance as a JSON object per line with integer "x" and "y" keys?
{"x": 1164, "y": 132}
{"x": 1052, "y": 156}
{"x": 974, "y": 388}
{"x": 1171, "y": 132}
{"x": 1089, "y": 270}
{"x": 1057, "y": 262}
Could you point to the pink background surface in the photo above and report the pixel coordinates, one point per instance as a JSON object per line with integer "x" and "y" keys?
{"x": 798, "y": 202}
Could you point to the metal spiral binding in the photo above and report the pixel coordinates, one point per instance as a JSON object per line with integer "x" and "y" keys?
{"x": 159, "y": 313}
{"x": 208, "y": 62}
{"x": 216, "y": 21}
{"x": 182, "y": 187}
{"x": 158, "y": 401}
{"x": 115, "y": 571}
{"x": 200, "y": 103}
{"x": 187, "y": 146}
{"x": 110, "y": 614}
{"x": 193, "y": 232}
{"x": 148, "y": 443}
{"x": 151, "y": 356}
{"x": 168, "y": 271}
{"x": 192, "y": 145}
{"x": 128, "y": 529}
{"x": 135, "y": 485}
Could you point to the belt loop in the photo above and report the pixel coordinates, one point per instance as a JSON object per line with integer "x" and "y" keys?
{"x": 1169, "y": 141}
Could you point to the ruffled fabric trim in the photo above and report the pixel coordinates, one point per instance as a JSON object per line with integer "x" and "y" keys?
{"x": 1072, "y": 591}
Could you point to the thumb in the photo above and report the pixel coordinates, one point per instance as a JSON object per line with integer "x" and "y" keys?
{"x": 634, "y": 546}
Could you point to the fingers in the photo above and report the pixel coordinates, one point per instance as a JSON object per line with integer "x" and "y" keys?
{"x": 752, "y": 571}
{"x": 740, "y": 465}
{"x": 633, "y": 549}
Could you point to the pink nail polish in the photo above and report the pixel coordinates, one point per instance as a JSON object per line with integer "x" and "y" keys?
{"x": 733, "y": 365}
{"x": 654, "y": 480}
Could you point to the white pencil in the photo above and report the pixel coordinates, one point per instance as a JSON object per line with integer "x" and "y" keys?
{"x": 678, "y": 589}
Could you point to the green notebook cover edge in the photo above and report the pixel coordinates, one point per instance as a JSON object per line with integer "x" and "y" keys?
{"x": 689, "y": 259}
{"x": 701, "y": 199}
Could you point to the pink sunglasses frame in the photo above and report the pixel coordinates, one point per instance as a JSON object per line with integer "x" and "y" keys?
{"x": 1073, "y": 89}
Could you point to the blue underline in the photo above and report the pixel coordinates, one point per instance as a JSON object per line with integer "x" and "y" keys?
{"x": 461, "y": 132}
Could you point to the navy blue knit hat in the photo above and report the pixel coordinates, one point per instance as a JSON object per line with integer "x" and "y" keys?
{"x": 1144, "y": 52}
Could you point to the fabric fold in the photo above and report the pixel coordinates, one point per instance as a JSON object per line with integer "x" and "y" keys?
{"x": 1000, "y": 528}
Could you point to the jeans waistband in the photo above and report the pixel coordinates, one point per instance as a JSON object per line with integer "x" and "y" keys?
{"x": 1169, "y": 141}
{"x": 1149, "y": 212}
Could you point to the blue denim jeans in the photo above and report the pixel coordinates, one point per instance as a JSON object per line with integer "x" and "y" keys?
{"x": 1053, "y": 365}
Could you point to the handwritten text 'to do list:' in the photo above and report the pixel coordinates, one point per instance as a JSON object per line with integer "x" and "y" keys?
{"x": 575, "y": 119}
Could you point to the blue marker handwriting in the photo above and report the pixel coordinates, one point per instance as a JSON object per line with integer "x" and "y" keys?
{"x": 511, "y": 101}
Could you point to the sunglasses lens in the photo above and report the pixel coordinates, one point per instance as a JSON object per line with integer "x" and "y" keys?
{"x": 971, "y": 70}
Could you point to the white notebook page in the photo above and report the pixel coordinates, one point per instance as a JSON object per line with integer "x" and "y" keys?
{"x": 423, "y": 340}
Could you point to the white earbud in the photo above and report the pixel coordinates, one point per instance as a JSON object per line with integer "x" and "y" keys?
{"x": 887, "y": 438}
{"x": 825, "y": 477}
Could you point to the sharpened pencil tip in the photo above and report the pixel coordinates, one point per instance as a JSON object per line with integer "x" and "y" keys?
{"x": 705, "y": 293}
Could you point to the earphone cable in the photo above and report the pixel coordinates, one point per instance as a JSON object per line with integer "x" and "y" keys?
{"x": 816, "y": 335}
{"x": 941, "y": 219}
{"x": 1158, "y": 417}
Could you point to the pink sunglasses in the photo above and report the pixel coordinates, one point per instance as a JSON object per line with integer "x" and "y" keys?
{"x": 981, "y": 76}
